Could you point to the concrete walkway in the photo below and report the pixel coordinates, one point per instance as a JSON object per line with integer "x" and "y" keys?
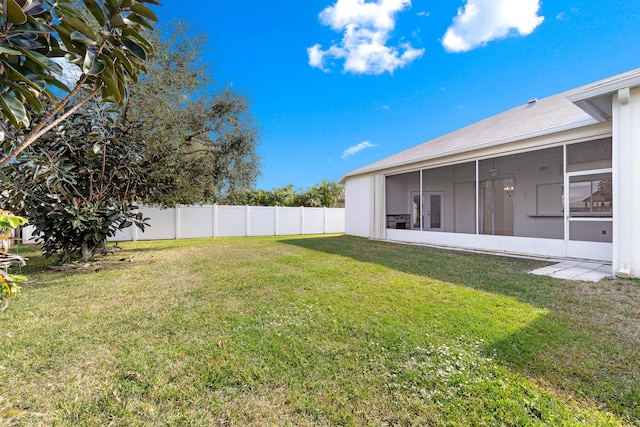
{"x": 576, "y": 270}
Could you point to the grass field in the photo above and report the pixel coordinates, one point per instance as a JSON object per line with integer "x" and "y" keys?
{"x": 316, "y": 331}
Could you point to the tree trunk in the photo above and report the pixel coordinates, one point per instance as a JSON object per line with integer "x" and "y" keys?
{"x": 86, "y": 252}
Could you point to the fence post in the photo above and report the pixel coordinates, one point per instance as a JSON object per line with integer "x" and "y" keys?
{"x": 215, "y": 220}
{"x": 301, "y": 219}
{"x": 277, "y": 220}
{"x": 324, "y": 212}
{"x": 247, "y": 218}
{"x": 177, "y": 221}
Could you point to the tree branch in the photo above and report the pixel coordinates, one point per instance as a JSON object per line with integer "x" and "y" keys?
{"x": 44, "y": 127}
{"x": 202, "y": 150}
{"x": 197, "y": 134}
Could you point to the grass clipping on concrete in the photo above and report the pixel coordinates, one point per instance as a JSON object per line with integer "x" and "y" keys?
{"x": 314, "y": 331}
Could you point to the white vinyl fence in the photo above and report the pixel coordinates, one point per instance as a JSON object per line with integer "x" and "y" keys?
{"x": 186, "y": 222}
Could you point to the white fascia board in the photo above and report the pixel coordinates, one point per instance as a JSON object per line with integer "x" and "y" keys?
{"x": 606, "y": 88}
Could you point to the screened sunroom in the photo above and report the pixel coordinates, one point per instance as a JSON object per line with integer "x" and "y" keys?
{"x": 556, "y": 177}
{"x": 518, "y": 195}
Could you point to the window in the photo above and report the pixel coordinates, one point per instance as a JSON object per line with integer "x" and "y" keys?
{"x": 590, "y": 196}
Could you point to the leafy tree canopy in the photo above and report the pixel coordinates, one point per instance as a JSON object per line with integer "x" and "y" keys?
{"x": 200, "y": 139}
{"x": 109, "y": 51}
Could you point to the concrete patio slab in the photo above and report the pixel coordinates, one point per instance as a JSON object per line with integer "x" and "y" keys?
{"x": 576, "y": 270}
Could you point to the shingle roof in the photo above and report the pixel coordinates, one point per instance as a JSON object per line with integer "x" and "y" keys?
{"x": 544, "y": 116}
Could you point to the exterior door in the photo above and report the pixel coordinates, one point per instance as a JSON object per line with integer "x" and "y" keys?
{"x": 429, "y": 216}
{"x": 434, "y": 211}
{"x": 590, "y": 214}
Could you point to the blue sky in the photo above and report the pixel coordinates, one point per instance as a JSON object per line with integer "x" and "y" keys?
{"x": 337, "y": 84}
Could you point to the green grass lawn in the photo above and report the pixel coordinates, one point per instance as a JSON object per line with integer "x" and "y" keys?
{"x": 306, "y": 330}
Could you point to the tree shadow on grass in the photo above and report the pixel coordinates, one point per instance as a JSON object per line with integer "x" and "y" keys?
{"x": 586, "y": 343}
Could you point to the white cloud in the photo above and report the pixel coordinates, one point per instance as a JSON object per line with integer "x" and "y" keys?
{"x": 69, "y": 74}
{"x": 356, "y": 148}
{"x": 481, "y": 21}
{"x": 316, "y": 56}
{"x": 366, "y": 28}
{"x": 565, "y": 16}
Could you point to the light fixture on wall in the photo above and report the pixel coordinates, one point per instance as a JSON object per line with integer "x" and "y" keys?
{"x": 508, "y": 189}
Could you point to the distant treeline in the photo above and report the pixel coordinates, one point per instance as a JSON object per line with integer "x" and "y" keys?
{"x": 325, "y": 194}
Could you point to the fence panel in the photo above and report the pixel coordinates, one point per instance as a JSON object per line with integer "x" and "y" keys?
{"x": 335, "y": 222}
{"x": 28, "y": 234}
{"x": 162, "y": 224}
{"x": 187, "y": 222}
{"x": 262, "y": 221}
{"x": 125, "y": 235}
{"x": 289, "y": 221}
{"x": 232, "y": 221}
{"x": 313, "y": 221}
{"x": 195, "y": 221}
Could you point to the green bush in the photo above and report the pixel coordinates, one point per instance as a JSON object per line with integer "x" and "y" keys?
{"x": 79, "y": 184}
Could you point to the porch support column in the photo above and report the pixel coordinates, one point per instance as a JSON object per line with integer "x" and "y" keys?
{"x": 626, "y": 182}
{"x": 477, "y": 197}
{"x": 378, "y": 221}
{"x": 421, "y": 207}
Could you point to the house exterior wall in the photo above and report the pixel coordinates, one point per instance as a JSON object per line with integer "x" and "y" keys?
{"x": 359, "y": 206}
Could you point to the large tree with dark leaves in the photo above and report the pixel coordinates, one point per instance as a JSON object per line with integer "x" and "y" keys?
{"x": 78, "y": 184}
{"x": 108, "y": 51}
{"x": 200, "y": 139}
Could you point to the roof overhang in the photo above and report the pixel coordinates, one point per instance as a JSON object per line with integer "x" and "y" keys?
{"x": 596, "y": 100}
{"x": 578, "y": 122}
